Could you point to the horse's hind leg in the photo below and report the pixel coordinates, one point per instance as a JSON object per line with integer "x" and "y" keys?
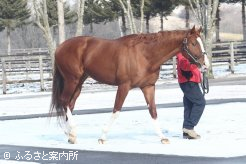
{"x": 77, "y": 91}
{"x": 119, "y": 100}
{"x": 71, "y": 127}
{"x": 149, "y": 94}
{"x": 70, "y": 87}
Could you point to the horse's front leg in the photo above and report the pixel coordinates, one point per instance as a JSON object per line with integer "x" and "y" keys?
{"x": 149, "y": 94}
{"x": 119, "y": 100}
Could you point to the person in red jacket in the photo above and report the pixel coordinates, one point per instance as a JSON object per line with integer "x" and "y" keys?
{"x": 189, "y": 77}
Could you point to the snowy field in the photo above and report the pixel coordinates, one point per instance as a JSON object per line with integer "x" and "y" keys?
{"x": 222, "y": 126}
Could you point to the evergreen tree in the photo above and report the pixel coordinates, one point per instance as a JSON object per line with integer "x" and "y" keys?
{"x": 69, "y": 15}
{"x": 1, "y": 27}
{"x": 164, "y": 8}
{"x": 118, "y": 12}
{"x": 97, "y": 11}
{"x": 13, "y": 13}
{"x": 149, "y": 11}
{"x": 186, "y": 4}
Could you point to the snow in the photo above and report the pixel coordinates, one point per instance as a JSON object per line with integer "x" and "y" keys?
{"x": 222, "y": 126}
{"x": 222, "y": 129}
{"x": 41, "y": 101}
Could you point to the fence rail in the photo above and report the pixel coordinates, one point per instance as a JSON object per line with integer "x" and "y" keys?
{"x": 25, "y": 51}
{"x": 231, "y": 52}
{"x": 37, "y": 61}
{"x": 27, "y": 65}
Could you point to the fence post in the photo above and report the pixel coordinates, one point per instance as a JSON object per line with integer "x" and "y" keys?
{"x": 4, "y": 76}
{"x": 174, "y": 67}
{"x": 41, "y": 73}
{"x": 232, "y": 58}
{"x": 28, "y": 67}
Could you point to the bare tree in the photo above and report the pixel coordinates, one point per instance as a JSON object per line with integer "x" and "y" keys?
{"x": 61, "y": 26}
{"x": 205, "y": 13}
{"x": 41, "y": 20}
{"x": 187, "y": 16}
{"x": 80, "y": 14}
{"x": 243, "y": 19}
{"x": 126, "y": 6}
{"x": 142, "y": 16}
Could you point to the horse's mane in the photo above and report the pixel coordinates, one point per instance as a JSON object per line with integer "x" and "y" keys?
{"x": 152, "y": 37}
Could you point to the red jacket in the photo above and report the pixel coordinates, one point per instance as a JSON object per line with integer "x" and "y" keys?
{"x": 183, "y": 64}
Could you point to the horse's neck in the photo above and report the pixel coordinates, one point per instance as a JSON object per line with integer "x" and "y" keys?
{"x": 168, "y": 46}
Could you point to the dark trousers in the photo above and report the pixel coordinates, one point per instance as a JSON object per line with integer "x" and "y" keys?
{"x": 194, "y": 104}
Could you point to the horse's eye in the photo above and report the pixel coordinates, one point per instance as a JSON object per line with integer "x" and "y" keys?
{"x": 194, "y": 44}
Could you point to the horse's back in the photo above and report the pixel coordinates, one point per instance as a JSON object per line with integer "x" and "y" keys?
{"x": 94, "y": 56}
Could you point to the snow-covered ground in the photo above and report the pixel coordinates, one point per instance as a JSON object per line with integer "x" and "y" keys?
{"x": 222, "y": 126}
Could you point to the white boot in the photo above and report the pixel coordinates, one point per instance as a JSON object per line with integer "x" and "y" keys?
{"x": 190, "y": 134}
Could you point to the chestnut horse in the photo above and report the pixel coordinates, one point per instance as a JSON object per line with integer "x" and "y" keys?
{"x": 128, "y": 62}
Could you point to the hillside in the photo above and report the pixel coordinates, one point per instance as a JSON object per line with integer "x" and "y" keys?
{"x": 228, "y": 30}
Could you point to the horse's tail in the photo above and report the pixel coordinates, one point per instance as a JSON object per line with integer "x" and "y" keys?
{"x": 56, "y": 107}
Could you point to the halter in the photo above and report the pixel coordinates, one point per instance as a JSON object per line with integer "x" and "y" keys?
{"x": 186, "y": 49}
{"x": 204, "y": 80}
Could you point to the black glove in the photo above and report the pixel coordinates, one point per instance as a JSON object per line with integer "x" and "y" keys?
{"x": 187, "y": 74}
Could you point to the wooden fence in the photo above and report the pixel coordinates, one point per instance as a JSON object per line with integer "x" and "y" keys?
{"x": 16, "y": 65}
{"x": 28, "y": 51}
{"x": 229, "y": 52}
{"x": 38, "y": 62}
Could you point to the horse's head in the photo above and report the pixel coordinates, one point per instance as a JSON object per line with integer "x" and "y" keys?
{"x": 193, "y": 48}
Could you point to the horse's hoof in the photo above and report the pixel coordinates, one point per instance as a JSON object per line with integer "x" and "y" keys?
{"x": 72, "y": 141}
{"x": 165, "y": 141}
{"x": 101, "y": 141}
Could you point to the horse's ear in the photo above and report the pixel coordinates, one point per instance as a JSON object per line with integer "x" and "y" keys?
{"x": 200, "y": 29}
{"x": 193, "y": 30}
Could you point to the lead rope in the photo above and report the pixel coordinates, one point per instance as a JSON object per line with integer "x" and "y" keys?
{"x": 204, "y": 83}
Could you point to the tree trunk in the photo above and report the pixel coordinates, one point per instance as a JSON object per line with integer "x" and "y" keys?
{"x": 205, "y": 13}
{"x": 217, "y": 25}
{"x": 91, "y": 28}
{"x": 142, "y": 16}
{"x": 187, "y": 17}
{"x": 43, "y": 23}
{"x": 161, "y": 19}
{"x": 123, "y": 18}
{"x": 211, "y": 12}
{"x": 120, "y": 27}
{"x": 61, "y": 28}
{"x": 8, "y": 40}
{"x": 80, "y": 13}
{"x": 243, "y": 20}
{"x": 147, "y": 23}
{"x": 128, "y": 11}
{"x": 129, "y": 6}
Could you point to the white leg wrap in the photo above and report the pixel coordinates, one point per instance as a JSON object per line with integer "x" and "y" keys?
{"x": 70, "y": 118}
{"x": 107, "y": 127}
{"x": 71, "y": 127}
{"x": 158, "y": 129}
